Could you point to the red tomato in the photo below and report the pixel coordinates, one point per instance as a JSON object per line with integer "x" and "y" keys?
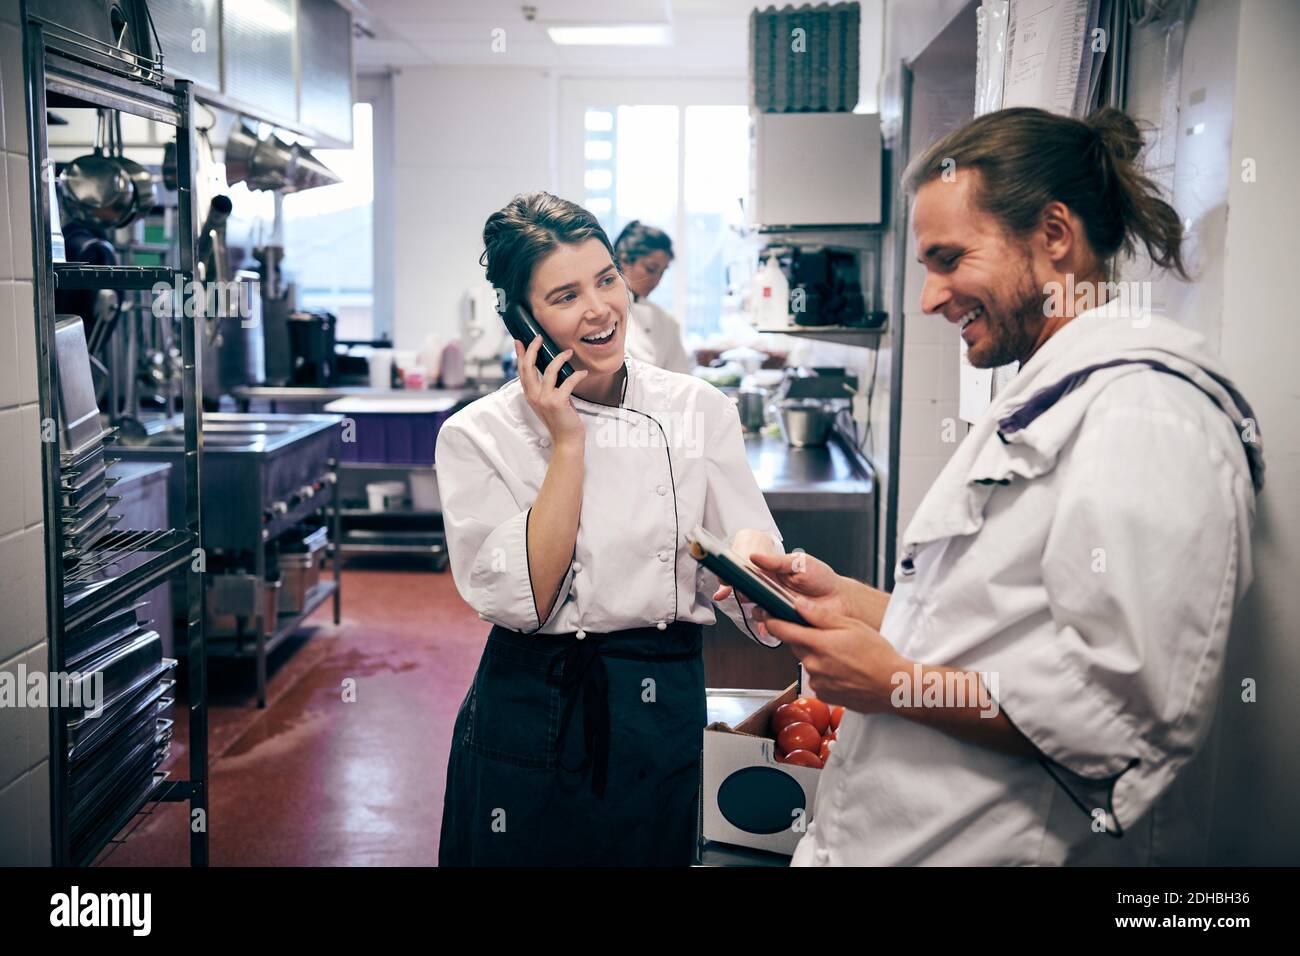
{"x": 821, "y": 714}
{"x": 802, "y": 758}
{"x": 831, "y": 735}
{"x": 800, "y": 736}
{"x": 825, "y": 751}
{"x": 836, "y": 714}
{"x": 788, "y": 714}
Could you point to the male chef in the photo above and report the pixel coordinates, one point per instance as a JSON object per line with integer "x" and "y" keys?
{"x": 1040, "y": 686}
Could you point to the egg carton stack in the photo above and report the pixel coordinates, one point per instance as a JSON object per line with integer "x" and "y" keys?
{"x": 83, "y": 462}
{"x": 804, "y": 59}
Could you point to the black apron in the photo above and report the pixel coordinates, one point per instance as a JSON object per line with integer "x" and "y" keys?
{"x": 572, "y": 752}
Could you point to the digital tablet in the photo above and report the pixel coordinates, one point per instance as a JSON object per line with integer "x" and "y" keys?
{"x": 738, "y": 571}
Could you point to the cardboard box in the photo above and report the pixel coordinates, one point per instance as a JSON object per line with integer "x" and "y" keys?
{"x": 748, "y": 799}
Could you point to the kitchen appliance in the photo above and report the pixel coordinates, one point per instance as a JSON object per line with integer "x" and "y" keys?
{"x": 825, "y": 284}
{"x": 311, "y": 346}
{"x": 233, "y": 352}
{"x": 277, "y": 301}
{"x": 261, "y": 473}
{"x": 271, "y": 163}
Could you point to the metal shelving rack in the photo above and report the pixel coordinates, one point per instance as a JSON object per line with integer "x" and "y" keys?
{"x": 67, "y": 69}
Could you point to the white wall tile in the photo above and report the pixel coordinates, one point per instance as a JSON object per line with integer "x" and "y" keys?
{"x": 20, "y": 215}
{"x": 38, "y": 718}
{"x": 922, "y": 428}
{"x": 11, "y": 473}
{"x": 921, "y": 371}
{"x": 14, "y": 838}
{"x": 32, "y": 574}
{"x": 8, "y": 347}
{"x": 922, "y": 328}
{"x": 38, "y": 810}
{"x": 33, "y": 487}
{"x": 11, "y": 78}
{"x": 6, "y": 245}
{"x": 13, "y": 603}
{"x": 13, "y": 731}
{"x": 25, "y": 330}
{"x": 949, "y": 372}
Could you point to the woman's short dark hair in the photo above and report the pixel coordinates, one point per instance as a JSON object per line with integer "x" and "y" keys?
{"x": 638, "y": 240}
{"x": 1029, "y": 157}
{"x": 526, "y": 230}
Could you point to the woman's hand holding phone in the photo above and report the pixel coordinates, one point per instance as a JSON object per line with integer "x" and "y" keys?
{"x": 551, "y": 403}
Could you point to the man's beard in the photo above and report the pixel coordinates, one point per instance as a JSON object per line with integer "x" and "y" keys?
{"x": 1011, "y": 329}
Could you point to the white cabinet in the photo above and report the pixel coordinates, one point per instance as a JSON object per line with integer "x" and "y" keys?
{"x": 816, "y": 169}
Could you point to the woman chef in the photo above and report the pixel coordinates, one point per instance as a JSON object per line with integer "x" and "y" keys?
{"x": 566, "y": 509}
{"x": 653, "y": 335}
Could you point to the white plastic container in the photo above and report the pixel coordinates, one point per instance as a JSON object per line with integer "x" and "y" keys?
{"x": 386, "y": 495}
{"x": 771, "y": 296}
{"x": 381, "y": 369}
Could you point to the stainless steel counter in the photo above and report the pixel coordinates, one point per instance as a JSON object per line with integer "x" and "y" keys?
{"x": 827, "y": 478}
{"x": 318, "y": 398}
{"x": 823, "y": 501}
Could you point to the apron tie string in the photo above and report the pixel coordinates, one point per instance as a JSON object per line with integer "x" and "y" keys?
{"x": 582, "y": 664}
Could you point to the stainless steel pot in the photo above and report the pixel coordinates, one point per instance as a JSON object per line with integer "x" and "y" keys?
{"x": 95, "y": 189}
{"x": 806, "y": 423}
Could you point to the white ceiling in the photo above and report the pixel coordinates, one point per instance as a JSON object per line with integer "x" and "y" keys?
{"x": 710, "y": 37}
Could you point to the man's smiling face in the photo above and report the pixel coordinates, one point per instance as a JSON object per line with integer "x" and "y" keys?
{"x": 977, "y": 276}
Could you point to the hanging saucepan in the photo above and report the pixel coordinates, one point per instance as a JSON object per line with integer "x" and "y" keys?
{"x": 141, "y": 178}
{"x": 94, "y": 189}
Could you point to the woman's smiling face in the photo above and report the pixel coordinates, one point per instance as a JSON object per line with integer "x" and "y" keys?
{"x": 578, "y": 296}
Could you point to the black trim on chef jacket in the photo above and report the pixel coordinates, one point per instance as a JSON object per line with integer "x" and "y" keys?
{"x": 672, "y": 481}
{"x": 528, "y": 563}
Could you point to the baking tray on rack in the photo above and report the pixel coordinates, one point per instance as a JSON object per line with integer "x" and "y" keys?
{"x": 87, "y": 641}
{"x": 87, "y": 734}
{"x": 152, "y": 699}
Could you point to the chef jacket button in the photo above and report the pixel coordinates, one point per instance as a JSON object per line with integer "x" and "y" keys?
{"x": 577, "y": 566}
{"x": 545, "y": 443}
{"x": 661, "y": 625}
{"x": 823, "y": 855}
{"x": 663, "y": 555}
{"x": 581, "y": 634}
{"x": 662, "y": 490}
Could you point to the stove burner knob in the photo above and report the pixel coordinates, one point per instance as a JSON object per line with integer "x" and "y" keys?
{"x": 280, "y": 508}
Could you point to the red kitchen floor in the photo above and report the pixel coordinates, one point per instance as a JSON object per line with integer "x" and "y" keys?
{"x": 315, "y": 780}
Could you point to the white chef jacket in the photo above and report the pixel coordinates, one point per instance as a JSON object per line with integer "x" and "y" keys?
{"x": 1088, "y": 564}
{"x": 669, "y": 458}
{"x": 653, "y": 336}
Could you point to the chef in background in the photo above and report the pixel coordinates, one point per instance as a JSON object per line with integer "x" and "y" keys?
{"x": 653, "y": 335}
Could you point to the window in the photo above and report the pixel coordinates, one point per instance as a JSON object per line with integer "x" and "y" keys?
{"x": 684, "y": 169}
{"x": 329, "y": 232}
